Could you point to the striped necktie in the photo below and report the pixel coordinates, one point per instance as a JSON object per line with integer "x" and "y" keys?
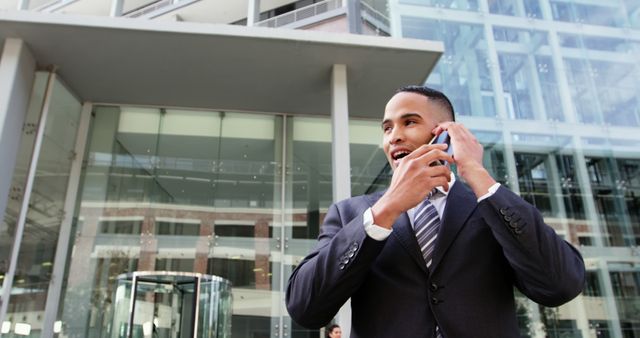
{"x": 426, "y": 224}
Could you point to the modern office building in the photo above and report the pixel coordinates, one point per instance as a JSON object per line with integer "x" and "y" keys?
{"x": 210, "y": 137}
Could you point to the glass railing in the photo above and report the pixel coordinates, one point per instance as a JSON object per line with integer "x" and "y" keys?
{"x": 301, "y": 14}
{"x": 157, "y": 8}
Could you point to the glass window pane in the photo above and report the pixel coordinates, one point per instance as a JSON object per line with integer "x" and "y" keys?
{"x": 465, "y": 5}
{"x": 47, "y": 200}
{"x": 370, "y": 170}
{"x": 178, "y": 190}
{"x": 463, "y": 71}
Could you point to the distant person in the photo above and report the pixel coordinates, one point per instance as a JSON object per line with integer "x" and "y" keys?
{"x": 334, "y": 331}
{"x": 435, "y": 255}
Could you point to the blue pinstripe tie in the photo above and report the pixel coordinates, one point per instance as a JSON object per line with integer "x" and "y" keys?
{"x": 426, "y": 224}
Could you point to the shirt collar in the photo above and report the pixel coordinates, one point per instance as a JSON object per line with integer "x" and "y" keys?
{"x": 441, "y": 190}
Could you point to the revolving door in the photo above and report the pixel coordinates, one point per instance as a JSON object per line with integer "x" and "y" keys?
{"x": 161, "y": 304}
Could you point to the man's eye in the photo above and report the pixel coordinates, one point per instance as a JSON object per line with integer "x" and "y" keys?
{"x": 386, "y": 129}
{"x": 410, "y": 122}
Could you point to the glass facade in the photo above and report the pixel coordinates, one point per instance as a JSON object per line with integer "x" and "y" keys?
{"x": 37, "y": 203}
{"x": 551, "y": 88}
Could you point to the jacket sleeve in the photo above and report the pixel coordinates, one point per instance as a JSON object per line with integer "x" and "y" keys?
{"x": 547, "y": 269}
{"x": 327, "y": 277}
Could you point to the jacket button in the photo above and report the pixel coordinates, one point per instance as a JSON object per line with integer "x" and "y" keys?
{"x": 513, "y": 224}
{"x": 341, "y": 266}
{"x": 504, "y": 210}
{"x": 434, "y": 287}
{"x": 435, "y": 300}
{"x": 507, "y": 218}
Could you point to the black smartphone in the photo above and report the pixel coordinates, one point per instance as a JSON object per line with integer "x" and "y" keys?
{"x": 443, "y": 138}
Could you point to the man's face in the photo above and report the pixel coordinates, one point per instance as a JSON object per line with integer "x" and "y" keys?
{"x": 408, "y": 121}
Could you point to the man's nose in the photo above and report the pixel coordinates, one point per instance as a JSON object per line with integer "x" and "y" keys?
{"x": 396, "y": 136}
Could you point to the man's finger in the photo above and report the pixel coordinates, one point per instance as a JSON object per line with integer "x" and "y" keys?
{"x": 424, "y": 149}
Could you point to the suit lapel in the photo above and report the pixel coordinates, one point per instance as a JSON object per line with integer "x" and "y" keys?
{"x": 460, "y": 204}
{"x": 404, "y": 233}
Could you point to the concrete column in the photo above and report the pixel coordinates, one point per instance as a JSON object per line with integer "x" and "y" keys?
{"x": 354, "y": 16}
{"x": 116, "y": 8}
{"x": 341, "y": 167}
{"x": 23, "y": 5}
{"x": 253, "y": 12}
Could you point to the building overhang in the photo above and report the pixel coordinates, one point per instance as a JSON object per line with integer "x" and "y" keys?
{"x": 215, "y": 66}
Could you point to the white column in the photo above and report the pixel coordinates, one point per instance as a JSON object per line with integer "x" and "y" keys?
{"x": 17, "y": 73}
{"x": 23, "y": 5}
{"x": 501, "y": 107}
{"x": 253, "y": 12}
{"x": 60, "y": 260}
{"x": 590, "y": 208}
{"x": 116, "y": 8}
{"x": 341, "y": 167}
{"x": 564, "y": 89}
{"x": 609, "y": 297}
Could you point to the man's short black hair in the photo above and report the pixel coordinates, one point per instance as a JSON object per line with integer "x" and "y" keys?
{"x": 435, "y": 95}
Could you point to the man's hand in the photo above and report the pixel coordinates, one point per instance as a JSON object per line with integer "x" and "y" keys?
{"x": 467, "y": 155}
{"x": 412, "y": 181}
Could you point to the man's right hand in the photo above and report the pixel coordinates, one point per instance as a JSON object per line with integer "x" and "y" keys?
{"x": 411, "y": 182}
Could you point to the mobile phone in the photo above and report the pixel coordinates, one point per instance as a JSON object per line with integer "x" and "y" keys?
{"x": 443, "y": 138}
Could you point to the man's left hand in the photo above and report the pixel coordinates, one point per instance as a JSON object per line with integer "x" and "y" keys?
{"x": 467, "y": 155}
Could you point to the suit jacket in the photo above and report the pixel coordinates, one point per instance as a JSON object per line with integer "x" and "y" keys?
{"x": 482, "y": 251}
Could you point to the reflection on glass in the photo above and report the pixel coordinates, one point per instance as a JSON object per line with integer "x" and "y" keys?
{"x": 465, "y": 5}
{"x": 551, "y": 79}
{"x": 625, "y": 281}
{"x": 168, "y": 189}
{"x": 615, "y": 198}
{"x": 309, "y": 193}
{"x": 605, "y": 13}
{"x": 526, "y": 8}
{"x": 463, "y": 72}
{"x": 528, "y": 77}
{"x": 15, "y": 198}
{"x": 46, "y": 204}
{"x": 370, "y": 170}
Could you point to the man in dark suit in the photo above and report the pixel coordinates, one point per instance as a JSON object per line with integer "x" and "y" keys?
{"x": 459, "y": 283}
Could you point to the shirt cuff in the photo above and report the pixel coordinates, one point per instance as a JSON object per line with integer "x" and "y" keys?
{"x": 492, "y": 190}
{"x": 374, "y": 231}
